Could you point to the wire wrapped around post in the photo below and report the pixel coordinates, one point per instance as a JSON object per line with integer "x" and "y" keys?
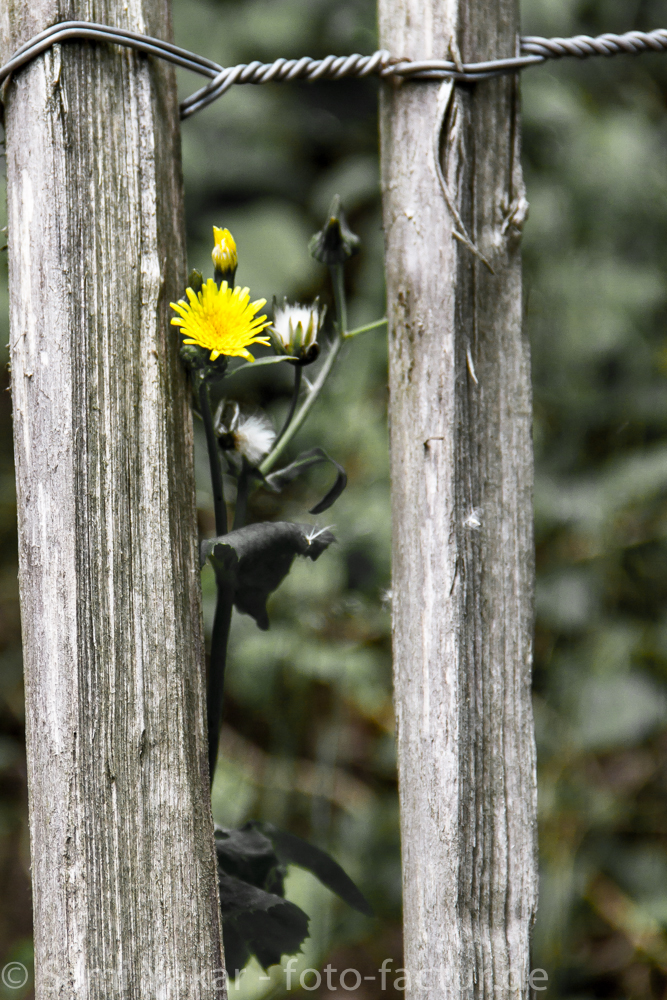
{"x": 534, "y": 50}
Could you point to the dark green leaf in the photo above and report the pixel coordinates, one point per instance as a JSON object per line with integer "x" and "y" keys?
{"x": 316, "y": 456}
{"x": 258, "y": 363}
{"x": 330, "y": 498}
{"x": 293, "y": 850}
{"x": 237, "y": 953}
{"x": 256, "y": 919}
{"x": 258, "y": 923}
{"x": 281, "y": 930}
{"x": 249, "y": 855}
{"x": 259, "y": 557}
{"x": 281, "y": 477}
{"x": 225, "y": 562}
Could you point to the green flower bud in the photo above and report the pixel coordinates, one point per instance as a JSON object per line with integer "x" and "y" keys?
{"x": 335, "y": 243}
{"x": 194, "y": 357}
{"x": 196, "y": 281}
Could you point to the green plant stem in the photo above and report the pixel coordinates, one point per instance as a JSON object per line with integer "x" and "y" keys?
{"x": 242, "y": 485}
{"x": 338, "y": 281}
{"x": 306, "y": 407}
{"x": 219, "y": 505}
{"x": 325, "y": 370}
{"x": 365, "y": 329}
{"x": 216, "y": 676}
{"x": 293, "y": 405}
{"x": 225, "y": 593}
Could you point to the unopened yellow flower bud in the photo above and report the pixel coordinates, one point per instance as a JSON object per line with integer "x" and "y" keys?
{"x": 225, "y": 257}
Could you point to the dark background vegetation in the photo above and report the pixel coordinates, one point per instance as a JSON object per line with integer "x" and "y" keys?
{"x": 308, "y": 737}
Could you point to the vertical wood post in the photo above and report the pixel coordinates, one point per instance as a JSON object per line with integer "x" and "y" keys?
{"x": 124, "y": 881}
{"x": 461, "y": 459}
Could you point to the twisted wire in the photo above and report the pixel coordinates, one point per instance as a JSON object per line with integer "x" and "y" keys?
{"x": 533, "y": 49}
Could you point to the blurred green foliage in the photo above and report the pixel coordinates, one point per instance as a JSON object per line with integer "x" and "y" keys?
{"x": 595, "y": 256}
{"x": 308, "y": 734}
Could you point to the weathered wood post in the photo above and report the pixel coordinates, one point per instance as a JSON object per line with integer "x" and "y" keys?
{"x": 461, "y": 459}
{"x": 125, "y": 893}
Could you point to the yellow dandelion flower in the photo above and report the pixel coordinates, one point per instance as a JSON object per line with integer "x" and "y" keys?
{"x": 225, "y": 257}
{"x": 221, "y": 319}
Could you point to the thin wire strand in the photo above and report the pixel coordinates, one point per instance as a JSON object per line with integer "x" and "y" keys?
{"x": 534, "y": 51}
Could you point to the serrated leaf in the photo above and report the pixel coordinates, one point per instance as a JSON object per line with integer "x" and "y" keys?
{"x": 249, "y": 855}
{"x": 259, "y": 923}
{"x": 278, "y": 931}
{"x": 291, "y": 849}
{"x": 259, "y": 557}
{"x": 315, "y": 456}
{"x": 256, "y": 919}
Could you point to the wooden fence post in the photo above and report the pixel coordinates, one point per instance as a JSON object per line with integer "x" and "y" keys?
{"x": 461, "y": 457}
{"x": 124, "y": 880}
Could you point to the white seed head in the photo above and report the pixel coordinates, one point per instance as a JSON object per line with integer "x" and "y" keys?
{"x": 249, "y": 434}
{"x": 254, "y": 436}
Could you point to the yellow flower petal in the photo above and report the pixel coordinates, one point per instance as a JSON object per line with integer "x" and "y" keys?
{"x": 222, "y": 320}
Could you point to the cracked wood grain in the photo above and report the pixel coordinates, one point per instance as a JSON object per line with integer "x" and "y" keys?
{"x": 124, "y": 878}
{"x": 461, "y": 458}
